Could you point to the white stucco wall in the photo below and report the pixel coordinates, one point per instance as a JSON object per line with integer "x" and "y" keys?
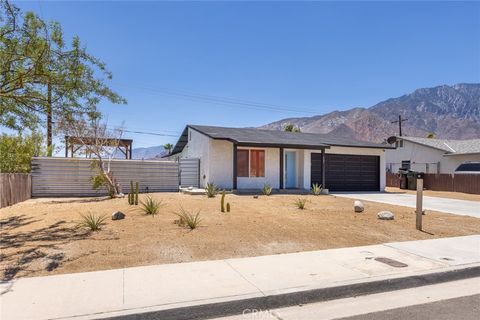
{"x": 272, "y": 171}
{"x": 420, "y": 156}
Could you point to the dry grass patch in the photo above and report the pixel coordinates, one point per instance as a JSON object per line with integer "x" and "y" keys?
{"x": 40, "y": 238}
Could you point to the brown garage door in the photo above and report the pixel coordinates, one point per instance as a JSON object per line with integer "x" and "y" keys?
{"x": 346, "y": 172}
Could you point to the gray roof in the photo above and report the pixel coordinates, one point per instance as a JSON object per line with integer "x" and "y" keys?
{"x": 273, "y": 138}
{"x": 451, "y": 147}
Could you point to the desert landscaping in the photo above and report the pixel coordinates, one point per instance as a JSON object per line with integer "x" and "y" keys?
{"x": 43, "y": 237}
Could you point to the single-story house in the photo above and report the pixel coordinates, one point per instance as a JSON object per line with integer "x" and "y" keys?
{"x": 247, "y": 158}
{"x": 431, "y": 155}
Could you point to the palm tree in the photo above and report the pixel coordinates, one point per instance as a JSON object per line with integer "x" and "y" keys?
{"x": 168, "y": 147}
{"x": 291, "y": 128}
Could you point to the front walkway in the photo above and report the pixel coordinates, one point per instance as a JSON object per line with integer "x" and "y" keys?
{"x": 99, "y": 294}
{"x": 458, "y": 207}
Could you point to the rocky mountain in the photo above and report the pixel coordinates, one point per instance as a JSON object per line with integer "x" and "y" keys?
{"x": 451, "y": 112}
{"x": 155, "y": 152}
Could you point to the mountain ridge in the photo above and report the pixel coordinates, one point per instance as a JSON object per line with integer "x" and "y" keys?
{"x": 450, "y": 112}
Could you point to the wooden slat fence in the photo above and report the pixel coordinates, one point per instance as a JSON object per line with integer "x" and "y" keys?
{"x": 14, "y": 188}
{"x": 63, "y": 177}
{"x": 467, "y": 183}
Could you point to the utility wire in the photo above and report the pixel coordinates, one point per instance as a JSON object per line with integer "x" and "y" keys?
{"x": 219, "y": 100}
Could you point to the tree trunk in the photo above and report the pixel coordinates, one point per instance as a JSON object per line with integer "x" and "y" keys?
{"x": 49, "y": 120}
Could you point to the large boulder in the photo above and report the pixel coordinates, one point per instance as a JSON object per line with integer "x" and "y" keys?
{"x": 118, "y": 215}
{"x": 358, "y": 206}
{"x": 385, "y": 215}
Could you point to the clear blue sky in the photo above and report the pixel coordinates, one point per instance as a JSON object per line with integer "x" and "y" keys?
{"x": 308, "y": 57}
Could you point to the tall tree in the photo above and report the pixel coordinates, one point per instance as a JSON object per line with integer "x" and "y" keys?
{"x": 41, "y": 78}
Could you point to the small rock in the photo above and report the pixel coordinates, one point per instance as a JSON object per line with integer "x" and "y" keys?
{"x": 358, "y": 206}
{"x": 255, "y": 197}
{"x": 118, "y": 215}
{"x": 385, "y": 215}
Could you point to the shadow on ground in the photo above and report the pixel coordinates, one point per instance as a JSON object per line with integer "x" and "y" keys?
{"x": 20, "y": 249}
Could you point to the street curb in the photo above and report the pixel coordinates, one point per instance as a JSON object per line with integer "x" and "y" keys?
{"x": 229, "y": 308}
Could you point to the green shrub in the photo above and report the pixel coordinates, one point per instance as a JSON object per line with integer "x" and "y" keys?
{"x": 150, "y": 206}
{"x": 300, "y": 203}
{"x": 222, "y": 202}
{"x": 188, "y": 219}
{"x": 316, "y": 189}
{"x": 92, "y": 221}
{"x": 267, "y": 189}
{"x": 211, "y": 190}
{"x": 228, "y": 206}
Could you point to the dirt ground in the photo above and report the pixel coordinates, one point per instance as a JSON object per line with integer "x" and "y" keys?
{"x": 40, "y": 238}
{"x": 441, "y": 194}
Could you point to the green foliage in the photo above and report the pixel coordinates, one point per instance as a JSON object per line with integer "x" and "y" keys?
{"x": 267, "y": 189}
{"x": 92, "y": 221}
{"x": 168, "y": 147}
{"x": 291, "y": 128}
{"x": 100, "y": 179}
{"x": 211, "y": 190}
{"x": 222, "y": 202}
{"x": 136, "y": 193}
{"x": 150, "y": 206}
{"x": 300, "y": 203}
{"x": 228, "y": 206}
{"x": 431, "y": 135}
{"x": 16, "y": 152}
{"x": 189, "y": 219}
{"x": 316, "y": 189}
{"x": 41, "y": 74}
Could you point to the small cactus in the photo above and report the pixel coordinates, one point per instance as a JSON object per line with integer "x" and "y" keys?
{"x": 228, "y": 206}
{"x": 222, "y": 202}
{"x": 136, "y": 193}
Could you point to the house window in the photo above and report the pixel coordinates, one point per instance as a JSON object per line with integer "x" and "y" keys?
{"x": 406, "y": 164}
{"x": 250, "y": 163}
{"x": 257, "y": 163}
{"x": 242, "y": 163}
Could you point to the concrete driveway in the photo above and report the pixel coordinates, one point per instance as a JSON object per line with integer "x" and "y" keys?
{"x": 459, "y": 207}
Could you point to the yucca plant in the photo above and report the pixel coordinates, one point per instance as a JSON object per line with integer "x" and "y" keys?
{"x": 267, "y": 189}
{"x": 211, "y": 190}
{"x": 300, "y": 203}
{"x": 316, "y": 189}
{"x": 92, "y": 221}
{"x": 189, "y": 219}
{"x": 150, "y": 205}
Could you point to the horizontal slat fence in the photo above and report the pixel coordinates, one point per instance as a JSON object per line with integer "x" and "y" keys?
{"x": 62, "y": 177}
{"x": 467, "y": 183}
{"x": 14, "y": 188}
{"x": 190, "y": 172}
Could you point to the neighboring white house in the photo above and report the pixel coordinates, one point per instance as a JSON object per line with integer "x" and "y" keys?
{"x": 244, "y": 158}
{"x": 431, "y": 155}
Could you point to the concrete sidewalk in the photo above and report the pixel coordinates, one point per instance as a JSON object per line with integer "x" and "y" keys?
{"x": 117, "y": 293}
{"x": 454, "y": 206}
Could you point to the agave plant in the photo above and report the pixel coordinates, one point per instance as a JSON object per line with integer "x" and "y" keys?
{"x": 316, "y": 189}
{"x": 267, "y": 189}
{"x": 189, "y": 219}
{"x": 211, "y": 190}
{"x": 150, "y": 206}
{"x": 300, "y": 203}
{"x": 92, "y": 221}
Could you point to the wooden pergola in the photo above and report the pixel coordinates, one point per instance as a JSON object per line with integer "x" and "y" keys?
{"x": 73, "y": 144}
